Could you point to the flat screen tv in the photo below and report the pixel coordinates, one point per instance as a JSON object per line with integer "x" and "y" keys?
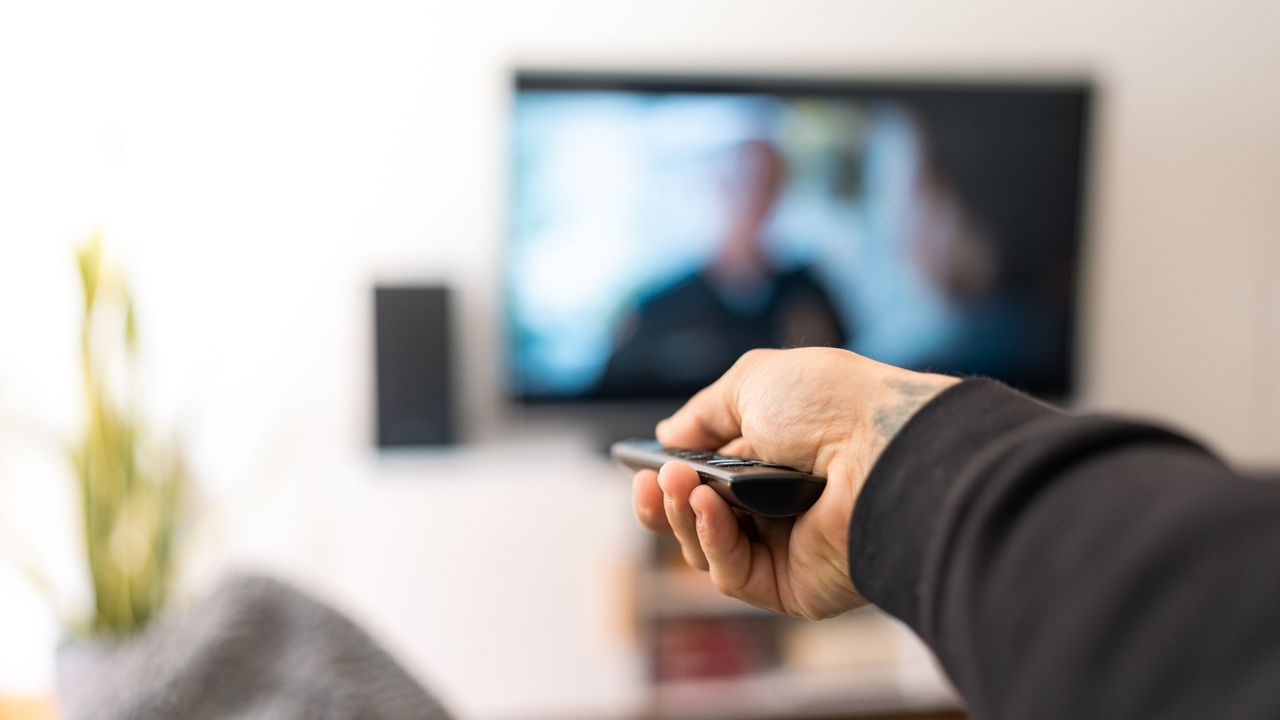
{"x": 661, "y": 226}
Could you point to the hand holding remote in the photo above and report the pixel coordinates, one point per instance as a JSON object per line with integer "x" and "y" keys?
{"x": 820, "y": 410}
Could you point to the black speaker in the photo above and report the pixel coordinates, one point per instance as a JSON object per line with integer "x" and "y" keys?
{"x": 414, "y": 371}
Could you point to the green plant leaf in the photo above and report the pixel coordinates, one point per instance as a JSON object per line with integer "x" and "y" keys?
{"x": 131, "y": 490}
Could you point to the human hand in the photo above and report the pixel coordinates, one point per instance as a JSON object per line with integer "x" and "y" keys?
{"x": 821, "y": 410}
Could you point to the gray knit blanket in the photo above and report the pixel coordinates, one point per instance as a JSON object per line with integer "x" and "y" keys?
{"x": 255, "y": 649}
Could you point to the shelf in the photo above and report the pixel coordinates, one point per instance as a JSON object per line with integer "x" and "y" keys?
{"x": 796, "y": 694}
{"x": 863, "y": 662}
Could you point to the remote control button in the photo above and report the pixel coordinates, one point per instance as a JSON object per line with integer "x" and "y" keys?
{"x": 690, "y": 455}
{"x": 731, "y": 462}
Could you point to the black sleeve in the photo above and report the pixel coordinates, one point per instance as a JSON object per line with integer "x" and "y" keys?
{"x": 1074, "y": 567}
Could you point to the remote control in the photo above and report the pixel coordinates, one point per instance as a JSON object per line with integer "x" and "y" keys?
{"x": 761, "y": 488}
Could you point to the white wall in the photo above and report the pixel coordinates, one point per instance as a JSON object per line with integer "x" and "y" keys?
{"x": 257, "y": 164}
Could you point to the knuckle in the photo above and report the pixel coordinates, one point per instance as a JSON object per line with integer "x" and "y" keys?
{"x": 813, "y": 614}
{"x": 649, "y": 518}
{"x": 724, "y": 588}
{"x": 695, "y": 560}
{"x": 727, "y": 586}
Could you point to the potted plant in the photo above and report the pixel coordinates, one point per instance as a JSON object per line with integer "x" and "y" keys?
{"x": 131, "y": 486}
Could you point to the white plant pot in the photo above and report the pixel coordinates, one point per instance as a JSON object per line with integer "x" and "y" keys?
{"x": 79, "y": 663}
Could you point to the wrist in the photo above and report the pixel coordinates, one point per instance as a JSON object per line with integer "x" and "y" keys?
{"x": 893, "y": 398}
{"x": 903, "y": 394}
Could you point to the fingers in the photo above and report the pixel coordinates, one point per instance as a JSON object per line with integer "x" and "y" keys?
{"x": 739, "y": 568}
{"x": 710, "y": 418}
{"x": 678, "y": 481}
{"x": 720, "y": 537}
{"x": 738, "y": 447}
{"x": 709, "y": 533}
{"x": 701, "y": 520}
{"x": 646, "y": 498}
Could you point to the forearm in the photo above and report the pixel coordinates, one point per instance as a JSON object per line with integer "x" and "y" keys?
{"x": 1072, "y": 567}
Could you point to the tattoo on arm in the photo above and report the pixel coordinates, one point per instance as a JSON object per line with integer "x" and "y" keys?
{"x": 911, "y": 396}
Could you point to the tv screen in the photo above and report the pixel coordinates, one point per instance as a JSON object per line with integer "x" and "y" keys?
{"x": 660, "y": 227}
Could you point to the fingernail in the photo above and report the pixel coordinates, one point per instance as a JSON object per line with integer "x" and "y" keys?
{"x": 697, "y": 517}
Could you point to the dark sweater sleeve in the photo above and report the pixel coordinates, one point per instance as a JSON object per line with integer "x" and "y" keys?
{"x": 1074, "y": 567}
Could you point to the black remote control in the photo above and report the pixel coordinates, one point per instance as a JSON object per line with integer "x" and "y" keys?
{"x": 761, "y": 488}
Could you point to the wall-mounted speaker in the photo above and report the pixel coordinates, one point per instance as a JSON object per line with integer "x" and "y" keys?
{"x": 415, "y": 393}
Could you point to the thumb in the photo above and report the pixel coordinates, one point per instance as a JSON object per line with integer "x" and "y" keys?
{"x": 708, "y": 420}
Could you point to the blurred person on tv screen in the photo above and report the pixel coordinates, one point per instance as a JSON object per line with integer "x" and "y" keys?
{"x": 699, "y": 324}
